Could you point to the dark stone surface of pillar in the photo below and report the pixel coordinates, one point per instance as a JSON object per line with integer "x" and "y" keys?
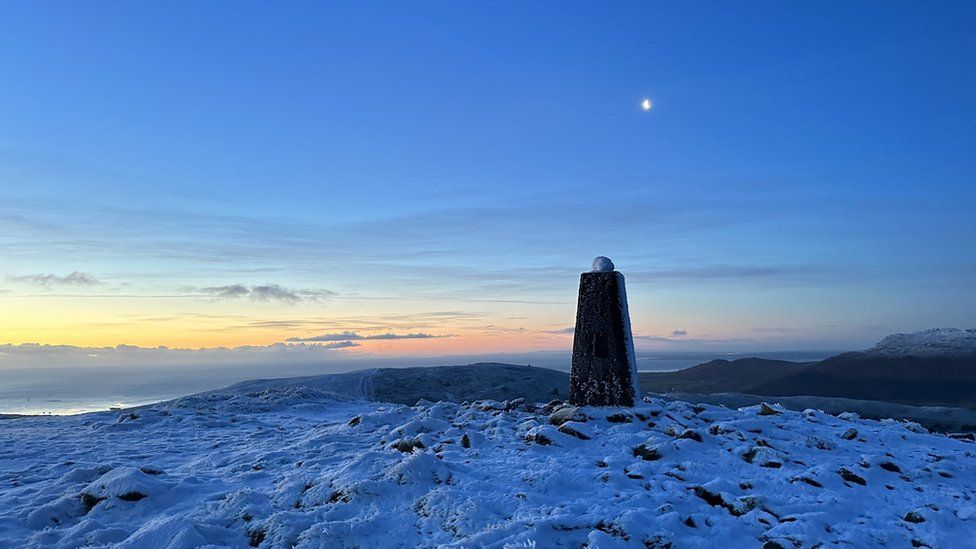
{"x": 604, "y": 370}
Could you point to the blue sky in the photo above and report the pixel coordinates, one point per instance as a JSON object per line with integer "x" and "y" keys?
{"x": 805, "y": 180}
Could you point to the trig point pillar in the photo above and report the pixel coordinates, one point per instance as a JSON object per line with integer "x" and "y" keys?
{"x": 604, "y": 367}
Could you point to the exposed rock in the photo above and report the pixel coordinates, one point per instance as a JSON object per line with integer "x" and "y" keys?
{"x": 408, "y": 445}
{"x": 850, "y": 476}
{"x": 339, "y": 496}
{"x": 658, "y": 542}
{"x": 620, "y": 418}
{"x": 819, "y": 443}
{"x": 256, "y": 537}
{"x": 647, "y": 453}
{"x": 690, "y": 434}
{"x": 716, "y": 500}
{"x": 487, "y": 405}
{"x": 90, "y": 501}
{"x": 539, "y": 439}
{"x": 766, "y": 410}
{"x": 889, "y": 466}
{"x": 573, "y": 429}
{"x": 513, "y": 404}
{"x": 551, "y": 406}
{"x": 849, "y": 434}
{"x": 809, "y": 481}
{"x": 567, "y": 413}
{"x": 913, "y": 517}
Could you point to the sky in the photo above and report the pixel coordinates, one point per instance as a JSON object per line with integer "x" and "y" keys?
{"x": 384, "y": 179}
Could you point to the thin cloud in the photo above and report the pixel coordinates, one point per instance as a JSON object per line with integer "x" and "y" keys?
{"x": 679, "y": 333}
{"x": 353, "y": 336}
{"x": 75, "y": 278}
{"x": 265, "y": 293}
{"x": 728, "y": 272}
{"x": 570, "y": 330}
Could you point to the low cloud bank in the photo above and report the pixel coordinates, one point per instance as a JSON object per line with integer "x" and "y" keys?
{"x": 38, "y": 355}
{"x": 353, "y": 336}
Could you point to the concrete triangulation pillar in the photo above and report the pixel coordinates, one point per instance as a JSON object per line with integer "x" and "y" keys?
{"x": 604, "y": 367}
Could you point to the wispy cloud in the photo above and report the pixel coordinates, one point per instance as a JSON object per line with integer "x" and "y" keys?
{"x": 570, "y": 330}
{"x": 266, "y": 292}
{"x": 75, "y": 278}
{"x": 353, "y": 336}
{"x": 679, "y": 333}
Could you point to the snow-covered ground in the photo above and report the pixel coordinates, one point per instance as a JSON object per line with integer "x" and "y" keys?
{"x": 293, "y": 466}
{"x": 937, "y": 341}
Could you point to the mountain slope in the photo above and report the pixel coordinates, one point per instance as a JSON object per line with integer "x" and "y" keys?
{"x": 917, "y": 380}
{"x": 720, "y": 376}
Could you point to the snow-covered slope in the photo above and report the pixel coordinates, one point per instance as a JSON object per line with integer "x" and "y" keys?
{"x": 938, "y": 341}
{"x": 299, "y": 467}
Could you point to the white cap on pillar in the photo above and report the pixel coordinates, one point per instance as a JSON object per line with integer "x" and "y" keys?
{"x": 602, "y": 265}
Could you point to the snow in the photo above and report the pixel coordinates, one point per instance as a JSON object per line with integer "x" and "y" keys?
{"x": 602, "y": 265}
{"x": 293, "y": 466}
{"x": 937, "y": 341}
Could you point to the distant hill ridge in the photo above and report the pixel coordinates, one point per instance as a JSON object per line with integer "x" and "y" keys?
{"x": 934, "y": 367}
{"x": 469, "y": 382}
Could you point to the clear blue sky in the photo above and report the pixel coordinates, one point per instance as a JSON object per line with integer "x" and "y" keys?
{"x": 805, "y": 179}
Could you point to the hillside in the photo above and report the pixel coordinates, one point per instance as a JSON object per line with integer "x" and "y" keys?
{"x": 294, "y": 466}
{"x": 917, "y": 380}
{"x": 720, "y": 376}
{"x": 929, "y": 368}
